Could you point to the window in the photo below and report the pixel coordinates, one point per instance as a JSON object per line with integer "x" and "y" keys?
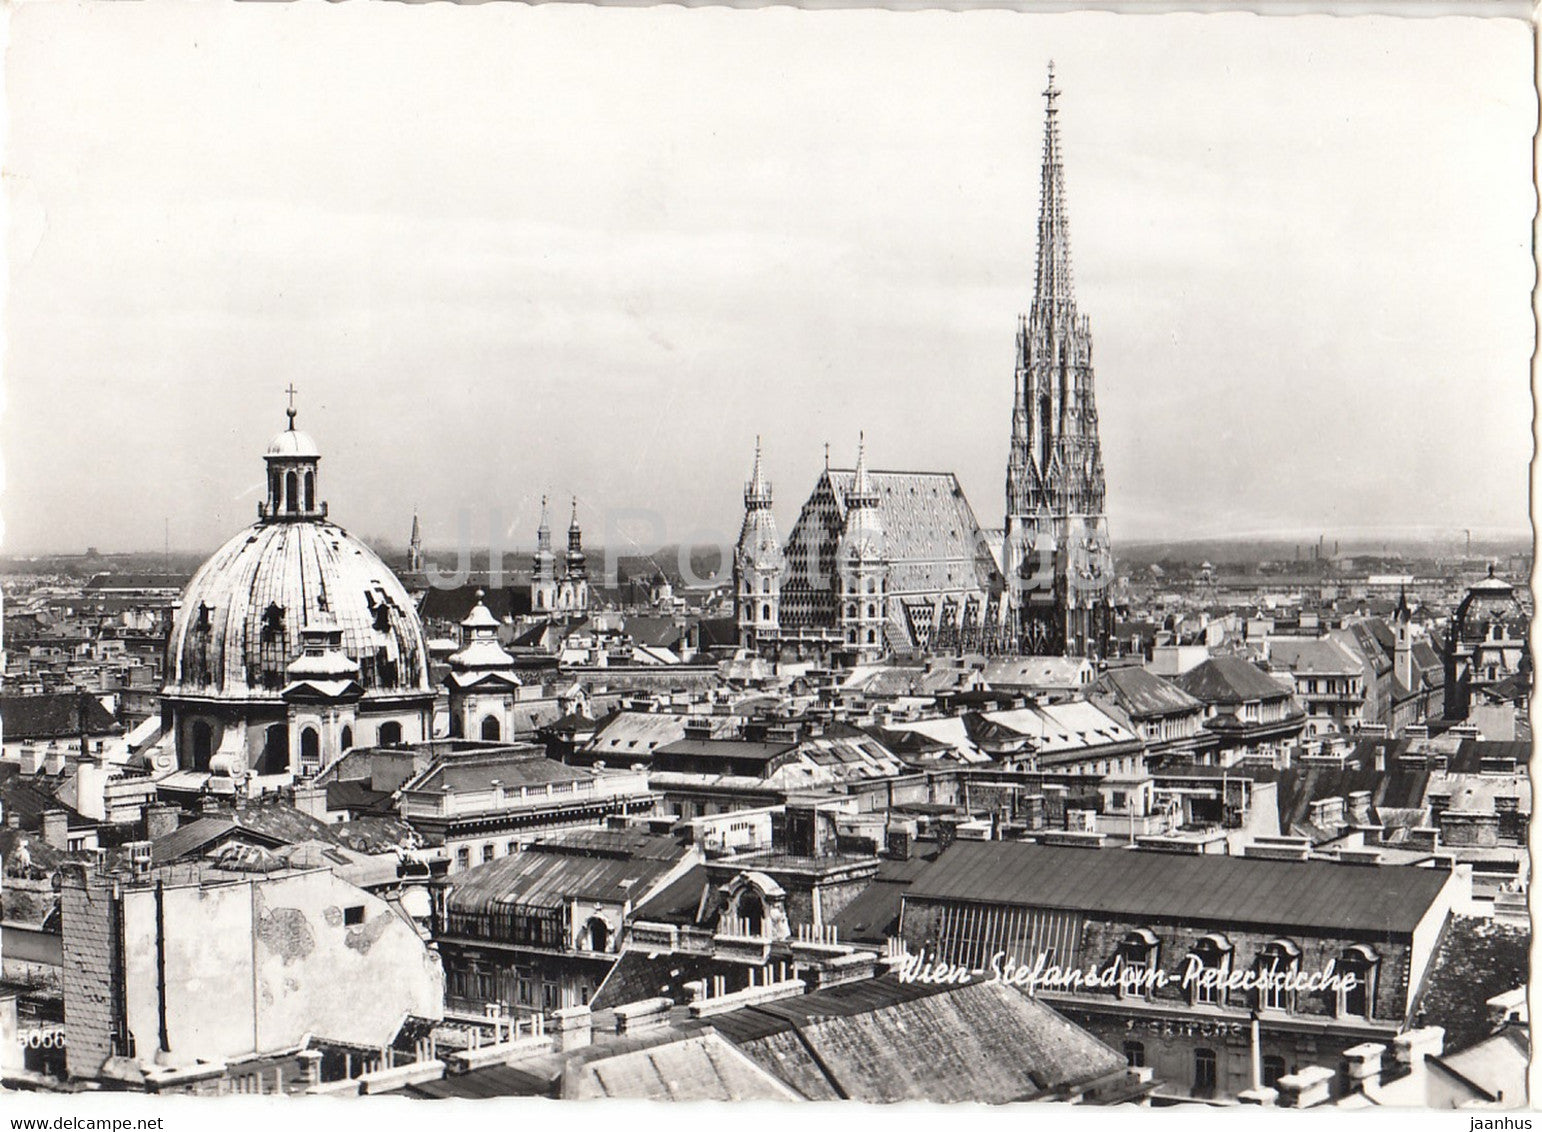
{"x": 1360, "y": 962}
{"x": 353, "y": 915}
{"x": 1137, "y": 955}
{"x": 525, "y": 996}
{"x": 310, "y": 746}
{"x": 1211, "y": 961}
{"x": 203, "y": 745}
{"x": 765, "y": 611}
{"x": 1279, "y": 960}
{"x": 291, "y": 492}
{"x": 583, "y": 995}
{"x": 491, "y": 729}
{"x": 551, "y": 997}
{"x": 463, "y": 857}
{"x": 347, "y": 738}
{"x": 487, "y": 852}
{"x": 390, "y": 734}
{"x": 511, "y": 847}
{"x": 310, "y": 491}
{"x": 1135, "y": 1054}
{"x": 1204, "y": 1072}
{"x": 1273, "y": 1070}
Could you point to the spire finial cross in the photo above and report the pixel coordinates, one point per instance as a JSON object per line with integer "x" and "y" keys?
{"x": 1051, "y": 91}
{"x": 291, "y": 409}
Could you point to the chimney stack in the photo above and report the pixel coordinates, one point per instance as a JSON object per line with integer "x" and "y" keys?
{"x": 56, "y": 829}
{"x": 161, "y": 818}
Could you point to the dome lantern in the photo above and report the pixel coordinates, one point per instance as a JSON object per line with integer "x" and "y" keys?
{"x": 292, "y": 458}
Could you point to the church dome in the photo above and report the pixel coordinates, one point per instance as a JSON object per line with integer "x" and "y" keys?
{"x": 242, "y": 616}
{"x": 246, "y": 615}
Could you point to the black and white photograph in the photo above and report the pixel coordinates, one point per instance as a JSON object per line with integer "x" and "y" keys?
{"x": 563, "y": 552}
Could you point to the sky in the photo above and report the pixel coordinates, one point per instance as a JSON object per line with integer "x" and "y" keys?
{"x": 504, "y": 252}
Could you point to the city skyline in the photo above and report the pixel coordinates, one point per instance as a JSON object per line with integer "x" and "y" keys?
{"x": 702, "y": 286}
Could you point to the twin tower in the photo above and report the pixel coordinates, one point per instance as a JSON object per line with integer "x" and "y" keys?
{"x": 1039, "y": 586}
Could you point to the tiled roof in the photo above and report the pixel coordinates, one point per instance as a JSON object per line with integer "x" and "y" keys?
{"x": 932, "y": 540}
{"x": 1230, "y": 680}
{"x": 1162, "y": 886}
{"x": 455, "y": 603}
{"x": 1477, "y": 959}
{"x": 702, "y": 1067}
{"x": 512, "y": 768}
{"x": 1324, "y": 657}
{"x": 54, "y": 715}
{"x": 881, "y": 1040}
{"x": 1144, "y": 695}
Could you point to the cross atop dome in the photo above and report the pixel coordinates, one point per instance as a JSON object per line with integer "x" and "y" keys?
{"x": 292, "y": 459}
{"x": 291, "y": 409}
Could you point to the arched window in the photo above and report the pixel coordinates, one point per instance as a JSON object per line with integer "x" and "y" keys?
{"x": 390, "y": 734}
{"x": 347, "y": 738}
{"x": 1210, "y": 962}
{"x": 765, "y": 585}
{"x": 203, "y": 745}
{"x": 1137, "y": 957}
{"x": 491, "y": 729}
{"x": 275, "y": 749}
{"x": 1357, "y": 990}
{"x": 310, "y": 491}
{"x": 1277, "y": 963}
{"x": 872, "y": 637}
{"x": 310, "y": 746}
{"x": 751, "y": 910}
{"x": 596, "y": 935}
{"x": 872, "y": 610}
{"x": 1135, "y": 1054}
{"x": 1204, "y": 1072}
{"x": 291, "y": 491}
{"x": 765, "y": 611}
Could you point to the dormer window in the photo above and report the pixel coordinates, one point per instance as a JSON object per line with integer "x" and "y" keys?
{"x": 1359, "y": 999}
{"x": 1137, "y": 958}
{"x": 1208, "y": 966}
{"x": 1276, "y": 964}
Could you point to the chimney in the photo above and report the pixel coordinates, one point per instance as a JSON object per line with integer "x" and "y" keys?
{"x": 1305, "y": 1089}
{"x": 1360, "y": 808}
{"x": 53, "y": 759}
{"x": 1409, "y": 1049}
{"x": 91, "y": 788}
{"x": 1033, "y": 805}
{"x": 139, "y": 857}
{"x": 56, "y": 829}
{"x": 311, "y": 800}
{"x": 900, "y": 841}
{"x": 161, "y": 818}
{"x": 32, "y": 759}
{"x": 574, "y": 1027}
{"x": 1365, "y": 1062}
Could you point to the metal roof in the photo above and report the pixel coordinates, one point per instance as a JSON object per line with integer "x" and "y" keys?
{"x": 598, "y": 865}
{"x": 1322, "y": 895}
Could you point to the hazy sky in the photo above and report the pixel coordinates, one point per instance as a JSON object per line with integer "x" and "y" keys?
{"x": 504, "y": 251}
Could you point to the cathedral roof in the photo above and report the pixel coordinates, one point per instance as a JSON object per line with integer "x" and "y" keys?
{"x": 241, "y": 619}
{"x": 932, "y": 541}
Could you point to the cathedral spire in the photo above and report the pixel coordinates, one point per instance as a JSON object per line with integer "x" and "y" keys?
{"x": 862, "y": 493}
{"x": 757, "y": 493}
{"x": 1052, "y": 282}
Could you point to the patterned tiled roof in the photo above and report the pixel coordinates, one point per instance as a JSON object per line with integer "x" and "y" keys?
{"x": 932, "y": 542}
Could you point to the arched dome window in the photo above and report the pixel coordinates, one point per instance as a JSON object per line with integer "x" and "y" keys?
{"x": 491, "y": 729}
{"x": 347, "y": 738}
{"x": 291, "y": 491}
{"x": 310, "y": 746}
{"x": 390, "y": 734}
{"x": 203, "y": 745}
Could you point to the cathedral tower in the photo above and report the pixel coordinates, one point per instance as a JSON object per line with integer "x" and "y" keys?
{"x": 1056, "y": 557}
{"x": 758, "y": 564}
{"x": 861, "y": 569}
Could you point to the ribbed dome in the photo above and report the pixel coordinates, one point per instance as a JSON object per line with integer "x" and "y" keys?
{"x": 293, "y": 443}
{"x": 242, "y": 615}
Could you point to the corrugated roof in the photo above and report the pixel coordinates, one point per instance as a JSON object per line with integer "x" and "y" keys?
{"x": 603, "y": 865}
{"x": 1210, "y": 889}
